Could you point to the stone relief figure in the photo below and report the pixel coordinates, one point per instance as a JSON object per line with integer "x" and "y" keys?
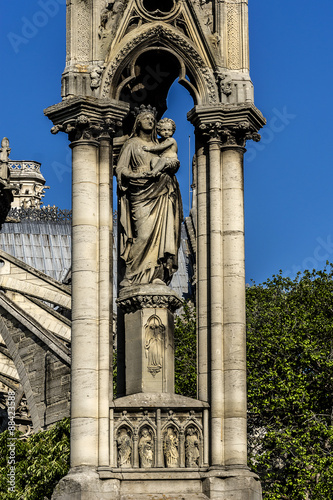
{"x": 146, "y": 448}
{"x": 171, "y": 453}
{"x": 124, "y": 444}
{"x": 154, "y": 345}
{"x": 192, "y": 448}
{"x": 150, "y": 206}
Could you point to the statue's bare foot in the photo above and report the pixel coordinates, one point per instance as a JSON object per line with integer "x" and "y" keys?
{"x": 124, "y": 283}
{"x": 158, "y": 281}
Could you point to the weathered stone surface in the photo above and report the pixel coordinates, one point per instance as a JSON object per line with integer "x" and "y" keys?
{"x": 153, "y": 400}
{"x": 150, "y": 206}
{"x": 236, "y": 487}
{"x": 131, "y": 52}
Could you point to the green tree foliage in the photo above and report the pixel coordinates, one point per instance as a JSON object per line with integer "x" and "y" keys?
{"x": 185, "y": 352}
{"x": 290, "y": 385}
{"x": 41, "y": 461}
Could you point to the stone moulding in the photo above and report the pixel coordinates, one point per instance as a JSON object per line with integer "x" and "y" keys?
{"x": 229, "y": 115}
{"x": 148, "y": 296}
{"x": 69, "y": 114}
{"x": 183, "y": 46}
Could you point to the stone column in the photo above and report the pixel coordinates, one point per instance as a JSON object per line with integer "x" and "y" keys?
{"x": 90, "y": 124}
{"x": 202, "y": 270}
{"x": 105, "y": 297}
{"x": 220, "y": 261}
{"x": 234, "y": 307}
{"x": 216, "y": 293}
{"x": 85, "y": 252}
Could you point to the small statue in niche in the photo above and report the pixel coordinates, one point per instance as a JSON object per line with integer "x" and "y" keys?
{"x": 146, "y": 449}
{"x": 192, "y": 448}
{"x": 167, "y": 147}
{"x": 124, "y": 444}
{"x": 171, "y": 448}
{"x": 154, "y": 344}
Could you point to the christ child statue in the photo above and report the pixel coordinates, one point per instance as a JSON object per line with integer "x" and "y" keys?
{"x": 167, "y": 149}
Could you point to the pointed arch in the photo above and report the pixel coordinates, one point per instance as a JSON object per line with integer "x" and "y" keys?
{"x": 158, "y": 37}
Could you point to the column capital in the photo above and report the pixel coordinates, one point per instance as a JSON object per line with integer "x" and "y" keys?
{"x": 231, "y": 125}
{"x": 87, "y": 118}
{"x": 144, "y": 296}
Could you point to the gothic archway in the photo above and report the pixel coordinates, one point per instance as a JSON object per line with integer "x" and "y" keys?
{"x": 166, "y": 55}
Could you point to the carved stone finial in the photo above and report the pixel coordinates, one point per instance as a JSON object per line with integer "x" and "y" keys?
{"x": 5, "y": 150}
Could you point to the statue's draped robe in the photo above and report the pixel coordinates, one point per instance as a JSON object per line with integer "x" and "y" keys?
{"x": 150, "y": 217}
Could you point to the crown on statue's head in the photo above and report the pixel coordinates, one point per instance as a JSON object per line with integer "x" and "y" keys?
{"x": 145, "y": 109}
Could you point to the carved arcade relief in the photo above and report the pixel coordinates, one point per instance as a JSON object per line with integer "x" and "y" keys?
{"x": 179, "y": 444}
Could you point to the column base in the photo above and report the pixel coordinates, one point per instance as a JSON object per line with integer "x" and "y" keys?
{"x": 84, "y": 483}
{"x": 232, "y": 484}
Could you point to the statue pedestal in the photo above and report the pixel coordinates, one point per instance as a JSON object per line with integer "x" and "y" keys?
{"x": 149, "y": 337}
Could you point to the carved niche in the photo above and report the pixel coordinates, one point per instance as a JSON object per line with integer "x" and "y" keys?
{"x": 171, "y": 447}
{"x": 192, "y": 447}
{"x": 154, "y": 344}
{"x": 146, "y": 448}
{"x": 124, "y": 447}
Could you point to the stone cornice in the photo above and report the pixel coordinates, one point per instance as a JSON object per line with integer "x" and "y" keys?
{"x": 87, "y": 118}
{"x": 232, "y": 125}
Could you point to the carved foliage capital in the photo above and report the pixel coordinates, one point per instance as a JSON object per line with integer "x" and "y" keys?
{"x": 136, "y": 302}
{"x": 235, "y": 135}
{"x": 85, "y": 128}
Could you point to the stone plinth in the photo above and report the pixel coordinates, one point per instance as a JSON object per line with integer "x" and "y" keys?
{"x": 149, "y": 337}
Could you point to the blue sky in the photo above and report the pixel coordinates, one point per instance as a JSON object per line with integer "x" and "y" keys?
{"x": 288, "y": 175}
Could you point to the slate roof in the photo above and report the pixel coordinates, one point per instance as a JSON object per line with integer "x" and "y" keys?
{"x": 46, "y": 246}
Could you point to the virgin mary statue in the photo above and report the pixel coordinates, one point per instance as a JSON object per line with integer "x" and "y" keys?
{"x": 150, "y": 208}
